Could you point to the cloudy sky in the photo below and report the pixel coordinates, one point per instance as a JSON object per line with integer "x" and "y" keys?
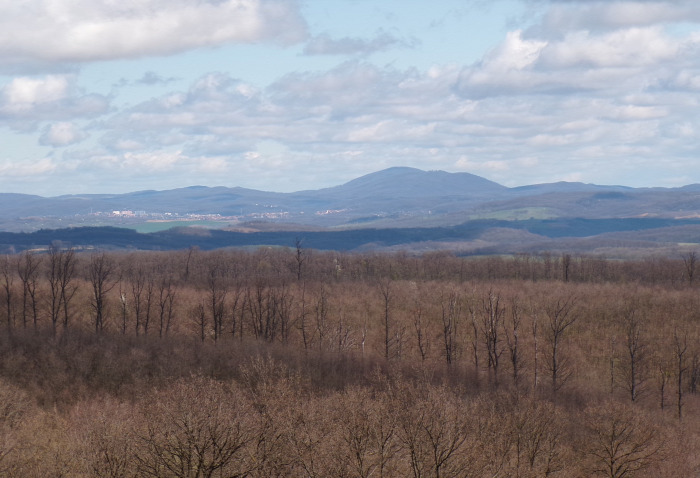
{"x": 107, "y": 96}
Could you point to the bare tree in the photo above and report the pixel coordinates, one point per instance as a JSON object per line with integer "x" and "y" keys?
{"x": 143, "y": 297}
{"x": 199, "y": 317}
{"x": 101, "y": 275}
{"x": 321, "y": 312}
{"x": 635, "y": 355}
{"x": 137, "y": 277}
{"x": 536, "y": 436}
{"x": 166, "y": 303}
{"x": 7, "y": 276}
{"x": 566, "y": 266}
{"x": 433, "y": 431}
{"x": 613, "y": 357}
{"x": 54, "y": 278}
{"x": 680, "y": 346}
{"x": 261, "y": 303}
{"x": 237, "y": 308}
{"x": 620, "y": 443}
{"x": 492, "y": 318}
{"x": 663, "y": 377}
{"x": 300, "y": 257}
{"x": 108, "y": 438}
{"x": 124, "y": 304}
{"x": 196, "y": 429}
{"x": 383, "y": 437}
{"x": 451, "y": 310}
{"x": 690, "y": 261}
{"x": 367, "y": 435}
{"x": 68, "y": 286}
{"x": 385, "y": 289}
{"x": 512, "y": 333}
{"x": 560, "y": 317}
{"x": 535, "y": 352}
{"x": 149, "y": 290}
{"x": 284, "y": 306}
{"x": 28, "y": 270}
{"x": 422, "y": 337}
{"x": 475, "y": 336}
{"x": 61, "y": 277}
{"x": 217, "y": 288}
{"x": 301, "y": 321}
{"x": 694, "y": 375}
{"x": 191, "y": 254}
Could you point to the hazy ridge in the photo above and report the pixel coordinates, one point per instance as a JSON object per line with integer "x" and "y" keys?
{"x": 397, "y": 208}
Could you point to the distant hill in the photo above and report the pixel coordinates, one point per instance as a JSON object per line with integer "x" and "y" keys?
{"x": 383, "y": 193}
{"x": 404, "y": 196}
{"x": 401, "y": 182}
{"x": 394, "y": 208}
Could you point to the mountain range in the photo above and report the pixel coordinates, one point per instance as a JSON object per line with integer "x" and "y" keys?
{"x": 473, "y": 213}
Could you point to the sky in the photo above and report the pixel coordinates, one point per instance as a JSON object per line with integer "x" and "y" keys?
{"x": 113, "y": 96}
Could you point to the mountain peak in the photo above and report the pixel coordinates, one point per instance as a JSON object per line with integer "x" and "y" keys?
{"x": 406, "y": 181}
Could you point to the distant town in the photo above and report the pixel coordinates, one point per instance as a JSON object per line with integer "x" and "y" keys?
{"x": 162, "y": 216}
{"x": 140, "y": 219}
{"x": 140, "y": 216}
{"x": 174, "y": 216}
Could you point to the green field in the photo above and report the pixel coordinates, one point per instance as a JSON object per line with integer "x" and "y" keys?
{"x": 146, "y": 227}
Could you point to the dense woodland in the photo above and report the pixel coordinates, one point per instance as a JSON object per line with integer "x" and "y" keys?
{"x": 293, "y": 362}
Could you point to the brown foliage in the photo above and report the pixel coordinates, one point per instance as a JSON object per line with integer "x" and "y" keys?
{"x": 620, "y": 441}
{"x": 292, "y": 363}
{"x": 194, "y": 428}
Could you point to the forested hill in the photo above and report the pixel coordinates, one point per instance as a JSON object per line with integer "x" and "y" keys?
{"x": 476, "y": 237}
{"x": 395, "y": 197}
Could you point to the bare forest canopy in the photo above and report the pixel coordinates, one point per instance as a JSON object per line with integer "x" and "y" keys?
{"x": 397, "y": 208}
{"x": 299, "y": 362}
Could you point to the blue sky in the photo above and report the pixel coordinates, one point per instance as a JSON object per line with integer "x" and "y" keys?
{"x": 109, "y": 96}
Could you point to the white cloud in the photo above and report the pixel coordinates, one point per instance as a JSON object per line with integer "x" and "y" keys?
{"x": 137, "y": 163}
{"x": 53, "y": 97}
{"x": 88, "y": 30}
{"x": 25, "y": 93}
{"x": 514, "y": 53}
{"x": 151, "y": 161}
{"x": 154, "y": 161}
{"x": 621, "y": 48}
{"x": 635, "y": 112}
{"x": 398, "y": 117}
{"x": 389, "y": 131}
{"x": 61, "y": 134}
{"x": 543, "y": 105}
{"x": 624, "y": 60}
{"x": 686, "y": 80}
{"x": 212, "y": 165}
{"x": 606, "y": 14}
{"x": 324, "y": 44}
{"x": 27, "y": 170}
{"x": 684, "y": 129}
{"x": 125, "y": 144}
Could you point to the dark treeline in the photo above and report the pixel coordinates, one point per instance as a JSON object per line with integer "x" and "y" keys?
{"x": 348, "y": 239}
{"x": 295, "y": 362}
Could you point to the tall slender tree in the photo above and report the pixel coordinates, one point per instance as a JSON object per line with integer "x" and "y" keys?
{"x": 101, "y": 272}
